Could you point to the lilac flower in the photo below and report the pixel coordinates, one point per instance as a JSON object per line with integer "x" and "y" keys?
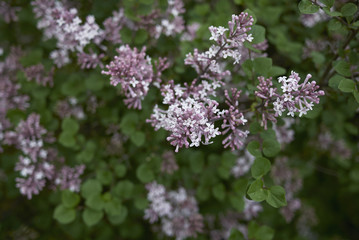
{"x": 295, "y": 98}
{"x": 66, "y": 27}
{"x": 169, "y": 164}
{"x": 176, "y": 210}
{"x": 243, "y": 165}
{"x": 38, "y": 164}
{"x": 289, "y": 178}
{"x": 69, "y": 178}
{"x": 113, "y": 25}
{"x": 133, "y": 70}
{"x": 233, "y": 119}
{"x": 191, "y": 32}
{"x": 283, "y": 133}
{"x": 70, "y": 107}
{"x": 191, "y": 112}
{"x": 168, "y": 26}
{"x": 251, "y": 209}
{"x": 90, "y": 60}
{"x": 187, "y": 118}
{"x": 10, "y": 98}
{"x": 310, "y": 20}
{"x": 38, "y": 73}
{"x": 8, "y": 12}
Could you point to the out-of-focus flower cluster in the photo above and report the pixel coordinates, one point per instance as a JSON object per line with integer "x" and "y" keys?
{"x": 8, "y": 12}
{"x": 66, "y": 27}
{"x": 233, "y": 220}
{"x": 295, "y": 98}
{"x": 290, "y": 179}
{"x": 38, "y": 163}
{"x": 243, "y": 164}
{"x": 176, "y": 210}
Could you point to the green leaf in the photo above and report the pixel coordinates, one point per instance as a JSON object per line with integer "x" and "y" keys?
{"x": 70, "y": 199}
{"x": 104, "y": 176}
{"x": 254, "y": 148}
{"x": 262, "y": 65}
{"x": 67, "y": 139}
{"x": 264, "y": 233}
{"x": 356, "y": 96}
{"x": 306, "y": 7}
{"x": 219, "y": 191}
{"x": 334, "y": 25}
{"x": 256, "y": 191}
{"x": 240, "y": 187}
{"x": 271, "y": 147}
{"x": 138, "y": 138}
{"x": 141, "y": 36}
{"x": 118, "y": 219}
{"x": 144, "y": 173}
{"x": 247, "y": 67}
{"x": 124, "y": 189}
{"x": 95, "y": 202}
{"x": 348, "y": 9}
{"x": 141, "y": 203}
{"x": 237, "y": 202}
{"x": 332, "y": 13}
{"x": 276, "y": 71}
{"x": 328, "y": 3}
{"x": 31, "y": 58}
{"x": 276, "y": 197}
{"x": 347, "y": 85}
{"x": 196, "y": 161}
{"x": 91, "y": 187}
{"x": 114, "y": 207}
{"x": 94, "y": 82}
{"x": 335, "y": 80}
{"x": 343, "y": 68}
{"x": 120, "y": 170}
{"x": 236, "y": 235}
{"x": 258, "y": 33}
{"x": 91, "y": 217}
{"x": 70, "y": 126}
{"x": 255, "y": 128}
{"x": 260, "y": 167}
{"x": 64, "y": 215}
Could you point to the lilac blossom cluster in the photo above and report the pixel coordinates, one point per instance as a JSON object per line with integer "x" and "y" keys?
{"x": 70, "y": 107}
{"x": 39, "y": 164}
{"x": 10, "y": 96}
{"x": 243, "y": 164}
{"x": 295, "y": 98}
{"x": 234, "y": 220}
{"x": 188, "y": 118}
{"x": 191, "y": 112}
{"x": 176, "y": 210}
{"x": 39, "y": 75}
{"x": 8, "y": 12}
{"x": 132, "y": 69}
{"x": 169, "y": 164}
{"x": 284, "y": 133}
{"x": 66, "y": 27}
